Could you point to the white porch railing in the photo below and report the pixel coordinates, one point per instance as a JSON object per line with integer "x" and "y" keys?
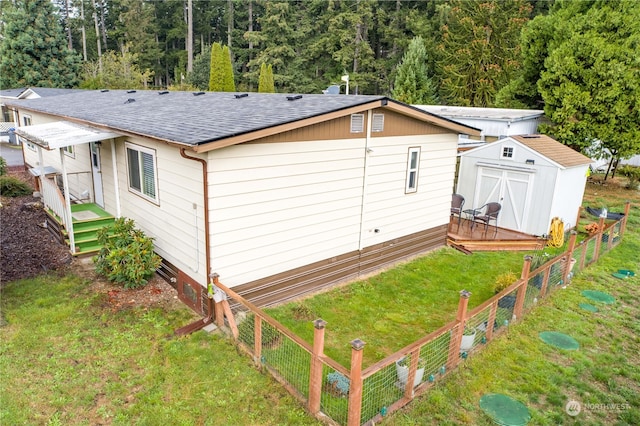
{"x": 54, "y": 200}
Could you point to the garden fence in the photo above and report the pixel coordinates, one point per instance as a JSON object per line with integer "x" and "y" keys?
{"x": 356, "y": 395}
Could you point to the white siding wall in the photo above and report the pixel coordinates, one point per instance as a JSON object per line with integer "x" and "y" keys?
{"x": 178, "y": 228}
{"x": 568, "y": 195}
{"x": 279, "y": 206}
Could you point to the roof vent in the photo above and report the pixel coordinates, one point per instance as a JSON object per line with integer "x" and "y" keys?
{"x": 198, "y": 93}
{"x": 242, "y": 95}
{"x": 164, "y": 92}
{"x": 104, "y": 90}
{"x": 531, "y": 136}
{"x": 129, "y": 101}
{"x": 294, "y": 98}
{"x": 131, "y": 91}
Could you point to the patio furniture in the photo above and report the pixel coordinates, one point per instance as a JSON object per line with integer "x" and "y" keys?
{"x": 457, "y": 201}
{"x": 486, "y": 214}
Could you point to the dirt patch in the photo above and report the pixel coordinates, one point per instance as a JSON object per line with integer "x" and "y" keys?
{"x": 28, "y": 249}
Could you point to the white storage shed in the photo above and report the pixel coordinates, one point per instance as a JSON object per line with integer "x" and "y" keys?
{"x": 534, "y": 177}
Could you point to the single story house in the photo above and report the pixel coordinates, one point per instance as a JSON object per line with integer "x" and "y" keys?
{"x": 533, "y": 177}
{"x": 279, "y": 194}
{"x": 495, "y": 123}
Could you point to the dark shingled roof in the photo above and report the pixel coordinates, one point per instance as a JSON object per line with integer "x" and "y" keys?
{"x": 186, "y": 118}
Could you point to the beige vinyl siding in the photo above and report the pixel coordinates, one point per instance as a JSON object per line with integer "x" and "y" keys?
{"x": 270, "y": 201}
{"x": 177, "y": 229}
{"x": 388, "y": 209}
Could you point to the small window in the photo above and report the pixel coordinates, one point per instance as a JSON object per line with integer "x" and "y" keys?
{"x": 507, "y": 152}
{"x": 141, "y": 166}
{"x": 31, "y": 146}
{"x": 377, "y": 124}
{"x": 357, "y": 123}
{"x": 26, "y": 120}
{"x": 68, "y": 150}
{"x": 413, "y": 164}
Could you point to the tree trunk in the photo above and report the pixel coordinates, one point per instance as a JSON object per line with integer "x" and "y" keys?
{"x": 66, "y": 11}
{"x": 83, "y": 31}
{"x": 230, "y": 27}
{"x": 95, "y": 21}
{"x": 103, "y": 25}
{"x": 189, "y": 36}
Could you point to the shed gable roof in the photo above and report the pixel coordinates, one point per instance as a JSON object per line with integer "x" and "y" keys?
{"x": 213, "y": 119}
{"x": 553, "y": 150}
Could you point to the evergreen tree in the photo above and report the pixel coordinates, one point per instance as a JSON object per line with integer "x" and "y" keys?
{"x": 33, "y": 47}
{"x": 412, "y": 84}
{"x": 480, "y": 49}
{"x": 199, "y": 78}
{"x": 265, "y": 82}
{"x": 228, "y": 83}
{"x": 216, "y": 73}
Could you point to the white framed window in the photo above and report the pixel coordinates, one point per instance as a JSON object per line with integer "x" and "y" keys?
{"x": 357, "y": 123}
{"x": 413, "y": 165}
{"x": 507, "y": 152}
{"x": 26, "y": 120}
{"x": 68, "y": 150}
{"x": 31, "y": 145}
{"x": 377, "y": 123}
{"x": 141, "y": 168}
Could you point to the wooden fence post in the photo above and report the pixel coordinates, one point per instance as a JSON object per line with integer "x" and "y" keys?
{"x": 488, "y": 334}
{"x": 456, "y": 337}
{"x": 569, "y": 258}
{"x": 596, "y": 253}
{"x": 315, "y": 374}
{"x": 355, "y": 383}
{"x": 522, "y": 290}
{"x": 257, "y": 338}
{"x": 623, "y": 224}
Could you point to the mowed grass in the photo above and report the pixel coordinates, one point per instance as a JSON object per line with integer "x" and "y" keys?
{"x": 395, "y": 308}
{"x": 67, "y": 359}
{"x": 603, "y": 375}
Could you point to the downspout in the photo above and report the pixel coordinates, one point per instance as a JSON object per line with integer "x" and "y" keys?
{"x": 205, "y": 183}
{"x": 201, "y": 323}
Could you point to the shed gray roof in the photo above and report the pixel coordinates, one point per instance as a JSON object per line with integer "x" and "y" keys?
{"x": 194, "y": 119}
{"x": 40, "y": 91}
{"x": 496, "y": 114}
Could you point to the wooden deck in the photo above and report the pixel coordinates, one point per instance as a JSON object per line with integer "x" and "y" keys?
{"x": 463, "y": 237}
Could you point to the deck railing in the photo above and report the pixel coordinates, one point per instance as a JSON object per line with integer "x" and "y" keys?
{"x": 357, "y": 395}
{"x": 53, "y": 199}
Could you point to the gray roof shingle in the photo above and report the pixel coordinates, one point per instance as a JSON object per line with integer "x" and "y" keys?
{"x": 185, "y": 118}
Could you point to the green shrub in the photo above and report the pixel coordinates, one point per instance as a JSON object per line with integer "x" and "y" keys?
{"x": 3, "y": 166}
{"x": 127, "y": 255}
{"x": 633, "y": 174}
{"x": 12, "y": 187}
{"x": 503, "y": 281}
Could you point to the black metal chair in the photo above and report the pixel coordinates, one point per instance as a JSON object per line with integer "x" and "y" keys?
{"x": 487, "y": 213}
{"x": 457, "y": 203}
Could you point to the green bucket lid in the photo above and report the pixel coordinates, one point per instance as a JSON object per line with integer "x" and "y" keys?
{"x": 598, "y": 296}
{"x": 559, "y": 340}
{"x": 627, "y": 272}
{"x": 504, "y": 410}
{"x": 588, "y": 307}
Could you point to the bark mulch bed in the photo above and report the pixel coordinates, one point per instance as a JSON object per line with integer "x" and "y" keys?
{"x": 27, "y": 249}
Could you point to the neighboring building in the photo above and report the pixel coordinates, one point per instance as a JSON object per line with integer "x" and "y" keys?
{"x": 534, "y": 177}
{"x": 495, "y": 123}
{"x": 281, "y": 195}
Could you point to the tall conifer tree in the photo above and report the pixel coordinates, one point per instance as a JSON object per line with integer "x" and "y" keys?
{"x": 228, "y": 83}
{"x": 33, "y": 47}
{"x": 216, "y": 77}
{"x": 412, "y": 84}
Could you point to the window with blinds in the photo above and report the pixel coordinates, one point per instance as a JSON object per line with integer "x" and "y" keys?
{"x": 141, "y": 166}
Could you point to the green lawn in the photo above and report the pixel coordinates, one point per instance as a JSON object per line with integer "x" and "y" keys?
{"x": 67, "y": 359}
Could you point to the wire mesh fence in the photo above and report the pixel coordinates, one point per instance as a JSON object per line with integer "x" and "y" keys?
{"x": 394, "y": 381}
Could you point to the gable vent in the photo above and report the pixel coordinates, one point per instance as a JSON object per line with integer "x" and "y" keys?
{"x": 377, "y": 123}
{"x": 357, "y": 123}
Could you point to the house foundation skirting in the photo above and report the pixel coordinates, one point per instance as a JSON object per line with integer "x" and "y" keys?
{"x": 314, "y": 277}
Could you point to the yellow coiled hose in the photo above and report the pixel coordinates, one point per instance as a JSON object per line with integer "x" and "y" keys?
{"x": 556, "y": 234}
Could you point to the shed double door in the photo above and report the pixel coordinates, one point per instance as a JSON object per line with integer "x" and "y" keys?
{"x": 510, "y": 188}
